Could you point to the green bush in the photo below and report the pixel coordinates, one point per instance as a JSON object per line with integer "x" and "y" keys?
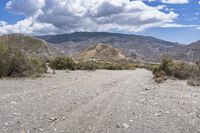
{"x": 182, "y": 70}
{"x": 15, "y": 64}
{"x": 179, "y": 70}
{"x": 38, "y": 66}
{"x": 167, "y": 66}
{"x": 89, "y": 65}
{"x": 113, "y": 66}
{"x": 62, "y": 63}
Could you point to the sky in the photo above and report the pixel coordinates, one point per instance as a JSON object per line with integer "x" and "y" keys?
{"x": 171, "y": 20}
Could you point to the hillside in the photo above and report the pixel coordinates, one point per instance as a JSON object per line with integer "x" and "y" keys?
{"x": 146, "y": 48}
{"x": 189, "y": 53}
{"x": 100, "y": 52}
{"x": 138, "y": 47}
{"x": 31, "y": 46}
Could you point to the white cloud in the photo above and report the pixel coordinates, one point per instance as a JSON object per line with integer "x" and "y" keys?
{"x": 29, "y": 26}
{"x": 174, "y": 25}
{"x": 58, "y": 16}
{"x": 25, "y": 7}
{"x": 3, "y": 23}
{"x": 175, "y": 1}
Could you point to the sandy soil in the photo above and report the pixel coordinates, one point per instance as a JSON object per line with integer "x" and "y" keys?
{"x": 98, "y": 102}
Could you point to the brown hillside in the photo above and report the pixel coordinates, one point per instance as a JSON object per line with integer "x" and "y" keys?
{"x": 30, "y": 46}
{"x": 100, "y": 52}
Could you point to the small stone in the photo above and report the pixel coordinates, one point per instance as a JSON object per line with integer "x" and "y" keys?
{"x": 125, "y": 125}
{"x": 131, "y": 120}
{"x": 117, "y": 126}
{"x": 146, "y": 89}
{"x": 13, "y": 102}
{"x": 157, "y": 114}
{"x": 41, "y": 129}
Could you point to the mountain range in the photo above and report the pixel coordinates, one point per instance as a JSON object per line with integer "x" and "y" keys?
{"x": 144, "y": 48}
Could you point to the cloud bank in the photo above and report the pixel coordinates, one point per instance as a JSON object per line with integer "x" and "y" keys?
{"x": 61, "y": 16}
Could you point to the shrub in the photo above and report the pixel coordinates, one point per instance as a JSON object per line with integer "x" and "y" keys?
{"x": 118, "y": 66}
{"x": 15, "y": 64}
{"x": 113, "y": 66}
{"x": 179, "y": 70}
{"x": 89, "y": 65}
{"x": 198, "y": 68}
{"x": 62, "y": 63}
{"x": 182, "y": 70}
{"x": 38, "y": 66}
{"x": 167, "y": 66}
{"x": 155, "y": 69}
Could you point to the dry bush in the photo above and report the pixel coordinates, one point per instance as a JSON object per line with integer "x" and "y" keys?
{"x": 15, "y": 64}
{"x": 179, "y": 70}
{"x": 62, "y": 63}
{"x": 89, "y": 65}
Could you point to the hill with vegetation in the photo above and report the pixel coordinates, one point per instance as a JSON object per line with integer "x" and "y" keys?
{"x": 30, "y": 46}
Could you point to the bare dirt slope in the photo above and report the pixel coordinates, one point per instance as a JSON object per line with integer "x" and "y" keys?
{"x": 100, "y": 51}
{"x": 98, "y": 102}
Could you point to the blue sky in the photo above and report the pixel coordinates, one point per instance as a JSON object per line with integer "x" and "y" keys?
{"x": 8, "y": 16}
{"x": 172, "y": 20}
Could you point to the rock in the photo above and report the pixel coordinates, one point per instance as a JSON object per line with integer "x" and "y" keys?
{"x": 13, "y": 102}
{"x": 125, "y": 125}
{"x": 41, "y": 129}
{"x": 146, "y": 89}
{"x": 117, "y": 126}
{"x": 157, "y": 114}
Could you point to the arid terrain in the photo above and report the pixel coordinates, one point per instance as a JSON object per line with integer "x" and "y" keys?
{"x": 98, "y": 102}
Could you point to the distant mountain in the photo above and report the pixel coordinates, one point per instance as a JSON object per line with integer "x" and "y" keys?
{"x": 146, "y": 48}
{"x": 31, "y": 46}
{"x": 189, "y": 53}
{"x": 100, "y": 52}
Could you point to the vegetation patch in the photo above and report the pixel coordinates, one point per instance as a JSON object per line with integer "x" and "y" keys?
{"x": 15, "y": 64}
{"x": 180, "y": 70}
{"x": 62, "y": 63}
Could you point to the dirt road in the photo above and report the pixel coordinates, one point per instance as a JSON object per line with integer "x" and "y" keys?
{"x": 98, "y": 102}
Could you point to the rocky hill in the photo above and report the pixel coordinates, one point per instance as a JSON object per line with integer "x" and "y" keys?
{"x": 31, "y": 46}
{"x": 100, "y": 52}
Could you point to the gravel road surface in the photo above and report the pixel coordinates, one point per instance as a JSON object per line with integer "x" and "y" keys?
{"x": 98, "y": 102}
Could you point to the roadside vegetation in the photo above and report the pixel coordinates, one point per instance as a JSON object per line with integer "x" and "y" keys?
{"x": 15, "y": 64}
{"x": 63, "y": 63}
{"x": 177, "y": 70}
